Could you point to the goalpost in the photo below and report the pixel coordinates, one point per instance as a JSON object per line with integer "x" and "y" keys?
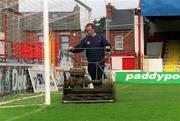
{"x": 46, "y": 53}
{"x": 22, "y": 74}
{"x": 33, "y": 37}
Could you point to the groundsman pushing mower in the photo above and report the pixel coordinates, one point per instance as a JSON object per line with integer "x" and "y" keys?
{"x": 78, "y": 88}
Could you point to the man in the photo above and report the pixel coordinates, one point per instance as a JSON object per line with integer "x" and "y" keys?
{"x": 95, "y": 45}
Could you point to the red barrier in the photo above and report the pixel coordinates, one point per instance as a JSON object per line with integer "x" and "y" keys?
{"x": 30, "y": 51}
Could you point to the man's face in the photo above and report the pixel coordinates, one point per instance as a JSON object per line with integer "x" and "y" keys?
{"x": 90, "y": 31}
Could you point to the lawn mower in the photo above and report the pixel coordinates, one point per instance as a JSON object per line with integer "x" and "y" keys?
{"x": 78, "y": 88}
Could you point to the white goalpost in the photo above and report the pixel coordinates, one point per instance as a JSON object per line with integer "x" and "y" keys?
{"x": 33, "y": 38}
{"x": 46, "y": 53}
{"x": 20, "y": 83}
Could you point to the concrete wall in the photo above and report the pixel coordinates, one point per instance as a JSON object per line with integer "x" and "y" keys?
{"x": 154, "y": 49}
{"x": 153, "y": 65}
{"x": 117, "y": 63}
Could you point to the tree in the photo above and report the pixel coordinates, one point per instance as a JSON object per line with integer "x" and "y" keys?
{"x": 100, "y": 24}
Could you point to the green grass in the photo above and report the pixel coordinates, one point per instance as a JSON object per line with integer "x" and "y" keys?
{"x": 135, "y": 102}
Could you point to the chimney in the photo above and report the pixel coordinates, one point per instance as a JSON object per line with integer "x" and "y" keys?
{"x": 109, "y": 11}
{"x": 76, "y": 8}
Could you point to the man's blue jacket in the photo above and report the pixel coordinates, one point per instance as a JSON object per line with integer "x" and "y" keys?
{"x": 94, "y": 47}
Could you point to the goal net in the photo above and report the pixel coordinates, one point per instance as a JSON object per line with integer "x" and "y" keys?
{"x": 22, "y": 78}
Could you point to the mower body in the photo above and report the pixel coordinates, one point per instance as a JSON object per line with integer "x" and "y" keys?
{"x": 79, "y": 88}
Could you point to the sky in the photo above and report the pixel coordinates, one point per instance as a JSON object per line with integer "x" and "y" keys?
{"x": 98, "y": 6}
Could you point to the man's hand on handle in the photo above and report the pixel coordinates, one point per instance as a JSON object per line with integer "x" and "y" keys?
{"x": 70, "y": 48}
{"x": 108, "y": 48}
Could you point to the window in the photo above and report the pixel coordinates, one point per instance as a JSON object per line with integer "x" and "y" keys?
{"x": 40, "y": 37}
{"x": 64, "y": 42}
{"x": 119, "y": 42}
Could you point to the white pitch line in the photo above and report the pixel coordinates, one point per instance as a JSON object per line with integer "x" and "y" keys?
{"x": 125, "y": 87}
{"x": 2, "y": 103}
{"x": 26, "y": 114}
{"x": 15, "y": 106}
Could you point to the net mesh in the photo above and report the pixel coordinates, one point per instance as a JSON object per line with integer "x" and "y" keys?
{"x": 22, "y": 47}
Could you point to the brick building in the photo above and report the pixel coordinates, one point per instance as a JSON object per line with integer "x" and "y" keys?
{"x": 120, "y": 31}
{"x": 65, "y": 27}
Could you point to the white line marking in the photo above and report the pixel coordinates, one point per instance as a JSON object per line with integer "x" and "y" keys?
{"x": 15, "y": 106}
{"x": 26, "y": 114}
{"x": 124, "y": 87}
{"x": 2, "y": 103}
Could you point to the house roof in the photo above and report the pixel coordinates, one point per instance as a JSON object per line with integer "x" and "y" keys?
{"x": 65, "y": 21}
{"x": 122, "y": 20}
{"x": 59, "y": 21}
